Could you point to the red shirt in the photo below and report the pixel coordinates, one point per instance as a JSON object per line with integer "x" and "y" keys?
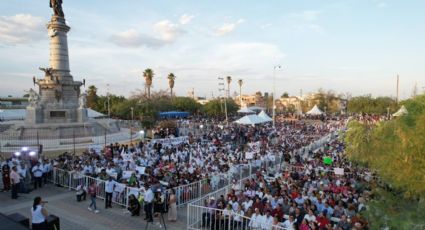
{"x": 322, "y": 221}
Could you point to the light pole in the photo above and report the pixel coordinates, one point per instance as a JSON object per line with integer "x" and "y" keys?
{"x": 131, "y": 126}
{"x": 107, "y": 95}
{"x": 274, "y": 93}
{"x": 225, "y": 101}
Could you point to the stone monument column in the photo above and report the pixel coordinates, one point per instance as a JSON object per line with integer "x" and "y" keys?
{"x": 59, "y": 94}
{"x": 59, "y": 58}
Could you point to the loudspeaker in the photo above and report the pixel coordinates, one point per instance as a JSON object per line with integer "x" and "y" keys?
{"x": 18, "y": 218}
{"x": 53, "y": 222}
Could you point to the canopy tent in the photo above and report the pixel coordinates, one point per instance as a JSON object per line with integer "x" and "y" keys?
{"x": 250, "y": 120}
{"x": 315, "y": 111}
{"x": 245, "y": 110}
{"x": 255, "y": 108}
{"x": 263, "y": 115}
{"x": 173, "y": 114}
{"x": 94, "y": 114}
{"x": 401, "y": 112}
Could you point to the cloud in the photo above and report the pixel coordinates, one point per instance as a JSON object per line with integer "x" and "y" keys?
{"x": 227, "y": 27}
{"x": 165, "y": 32}
{"x": 132, "y": 38}
{"x": 185, "y": 19}
{"x": 306, "y": 15}
{"x": 21, "y": 29}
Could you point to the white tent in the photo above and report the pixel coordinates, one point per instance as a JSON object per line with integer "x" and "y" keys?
{"x": 250, "y": 120}
{"x": 245, "y": 110}
{"x": 263, "y": 115}
{"x": 255, "y": 108}
{"x": 402, "y": 111}
{"x": 315, "y": 111}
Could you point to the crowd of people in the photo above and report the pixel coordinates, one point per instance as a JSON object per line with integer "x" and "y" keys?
{"x": 308, "y": 194}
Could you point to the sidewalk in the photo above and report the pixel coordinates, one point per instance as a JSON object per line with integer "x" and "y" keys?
{"x": 75, "y": 216}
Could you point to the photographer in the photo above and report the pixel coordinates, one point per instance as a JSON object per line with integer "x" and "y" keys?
{"x": 149, "y": 197}
{"x": 158, "y": 207}
{"x": 38, "y": 215}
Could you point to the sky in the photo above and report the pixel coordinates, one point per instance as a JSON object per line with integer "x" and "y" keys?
{"x": 355, "y": 46}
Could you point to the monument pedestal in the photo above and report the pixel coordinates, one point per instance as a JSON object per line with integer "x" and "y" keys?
{"x": 34, "y": 115}
{"x": 82, "y": 115}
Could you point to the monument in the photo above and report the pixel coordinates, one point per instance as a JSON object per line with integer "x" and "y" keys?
{"x": 58, "y": 97}
{"x": 57, "y": 109}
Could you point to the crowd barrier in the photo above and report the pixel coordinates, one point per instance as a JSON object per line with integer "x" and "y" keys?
{"x": 219, "y": 219}
{"x": 194, "y": 208}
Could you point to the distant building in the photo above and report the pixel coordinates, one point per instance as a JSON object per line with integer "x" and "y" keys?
{"x": 252, "y": 100}
{"x": 13, "y": 102}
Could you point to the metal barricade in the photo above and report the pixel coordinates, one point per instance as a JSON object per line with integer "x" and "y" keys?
{"x": 201, "y": 217}
{"x": 61, "y": 177}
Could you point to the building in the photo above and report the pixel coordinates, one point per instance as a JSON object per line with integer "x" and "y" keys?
{"x": 13, "y": 102}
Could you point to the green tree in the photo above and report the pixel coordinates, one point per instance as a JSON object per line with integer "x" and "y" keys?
{"x": 370, "y": 105}
{"x": 285, "y": 95}
{"x": 187, "y": 104}
{"x": 171, "y": 80}
{"x": 396, "y": 150}
{"x": 214, "y": 107}
{"x": 92, "y": 98}
{"x": 148, "y": 74}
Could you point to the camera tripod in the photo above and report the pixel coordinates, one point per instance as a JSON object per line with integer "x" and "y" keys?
{"x": 160, "y": 218}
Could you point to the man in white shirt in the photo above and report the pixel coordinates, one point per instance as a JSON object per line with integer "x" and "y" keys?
{"x": 37, "y": 172}
{"x": 256, "y": 219}
{"x": 289, "y": 223}
{"x": 109, "y": 189}
{"x": 148, "y": 198}
{"x": 267, "y": 221}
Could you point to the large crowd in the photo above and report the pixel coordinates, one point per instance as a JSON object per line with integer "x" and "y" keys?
{"x": 308, "y": 194}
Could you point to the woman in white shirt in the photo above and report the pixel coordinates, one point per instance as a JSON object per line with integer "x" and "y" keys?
{"x": 38, "y": 215}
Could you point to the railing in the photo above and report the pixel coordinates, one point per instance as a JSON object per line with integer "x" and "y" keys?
{"x": 194, "y": 208}
{"x": 200, "y": 217}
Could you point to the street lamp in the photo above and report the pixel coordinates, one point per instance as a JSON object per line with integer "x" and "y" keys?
{"x": 274, "y": 93}
{"x": 225, "y": 101}
{"x": 131, "y": 126}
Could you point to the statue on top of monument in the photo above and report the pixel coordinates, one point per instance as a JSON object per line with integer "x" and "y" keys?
{"x": 33, "y": 97}
{"x": 56, "y": 5}
{"x": 83, "y": 100}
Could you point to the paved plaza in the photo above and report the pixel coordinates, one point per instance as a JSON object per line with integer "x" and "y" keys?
{"x": 75, "y": 216}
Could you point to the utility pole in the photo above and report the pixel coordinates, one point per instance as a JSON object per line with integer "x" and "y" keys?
{"x": 108, "y": 99}
{"x": 398, "y": 82}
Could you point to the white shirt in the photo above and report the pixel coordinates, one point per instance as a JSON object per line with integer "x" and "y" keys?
{"x": 255, "y": 220}
{"x": 148, "y": 196}
{"x": 37, "y": 171}
{"x": 36, "y": 215}
{"x": 109, "y": 186}
{"x": 289, "y": 225}
{"x": 267, "y": 222}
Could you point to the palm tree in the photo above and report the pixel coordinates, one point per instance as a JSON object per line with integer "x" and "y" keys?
{"x": 148, "y": 75}
{"x": 229, "y": 80}
{"x": 240, "y": 83}
{"x": 171, "y": 77}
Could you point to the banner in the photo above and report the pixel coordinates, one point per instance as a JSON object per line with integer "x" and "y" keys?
{"x": 170, "y": 141}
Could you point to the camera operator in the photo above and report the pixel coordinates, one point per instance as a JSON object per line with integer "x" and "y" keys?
{"x": 38, "y": 214}
{"x": 158, "y": 201}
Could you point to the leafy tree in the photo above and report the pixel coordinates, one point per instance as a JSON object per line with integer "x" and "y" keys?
{"x": 213, "y": 107}
{"x": 396, "y": 150}
{"x": 92, "y": 98}
{"x": 368, "y": 104}
{"x": 187, "y": 104}
{"x": 285, "y": 95}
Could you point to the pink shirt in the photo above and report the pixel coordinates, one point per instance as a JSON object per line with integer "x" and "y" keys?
{"x": 14, "y": 177}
